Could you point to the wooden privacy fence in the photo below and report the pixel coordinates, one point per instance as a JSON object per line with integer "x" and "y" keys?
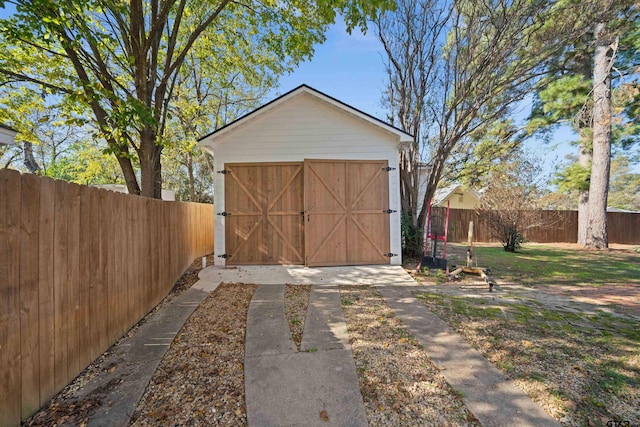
{"x": 562, "y": 227}
{"x": 78, "y": 267}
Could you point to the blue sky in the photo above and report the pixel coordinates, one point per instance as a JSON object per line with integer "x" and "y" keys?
{"x": 350, "y": 68}
{"x": 346, "y": 67}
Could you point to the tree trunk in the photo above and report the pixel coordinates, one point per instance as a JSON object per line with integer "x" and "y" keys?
{"x": 150, "y": 168}
{"x": 192, "y": 181}
{"x": 29, "y": 159}
{"x": 585, "y": 150}
{"x": 584, "y": 159}
{"x": 129, "y": 175}
{"x": 599, "y": 184}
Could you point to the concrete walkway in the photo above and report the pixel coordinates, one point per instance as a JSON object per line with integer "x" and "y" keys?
{"x": 126, "y": 372}
{"x": 487, "y": 393}
{"x": 315, "y": 387}
{"x": 318, "y": 385}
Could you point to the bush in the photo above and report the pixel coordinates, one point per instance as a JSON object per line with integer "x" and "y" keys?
{"x": 512, "y": 239}
{"x": 411, "y": 237}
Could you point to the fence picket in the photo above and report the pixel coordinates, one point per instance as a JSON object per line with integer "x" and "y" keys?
{"x": 29, "y": 346}
{"x": 10, "y": 381}
{"x": 46, "y": 323}
{"x": 73, "y": 277}
{"x": 84, "y": 277}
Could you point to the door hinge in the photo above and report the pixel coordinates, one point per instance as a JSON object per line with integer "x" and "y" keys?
{"x": 388, "y": 168}
{"x": 224, "y": 171}
{"x": 224, "y": 213}
{"x": 389, "y": 255}
{"x": 389, "y": 211}
{"x": 224, "y": 256}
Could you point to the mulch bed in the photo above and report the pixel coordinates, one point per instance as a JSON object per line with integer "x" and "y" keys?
{"x": 200, "y": 381}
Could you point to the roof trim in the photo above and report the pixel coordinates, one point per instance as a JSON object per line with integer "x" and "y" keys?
{"x": 404, "y": 136}
{"x": 7, "y": 135}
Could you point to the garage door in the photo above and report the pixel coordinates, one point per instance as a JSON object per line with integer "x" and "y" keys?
{"x": 264, "y": 204}
{"x": 346, "y": 218}
{"x": 344, "y": 204}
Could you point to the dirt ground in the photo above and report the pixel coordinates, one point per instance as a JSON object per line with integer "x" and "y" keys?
{"x": 626, "y": 297}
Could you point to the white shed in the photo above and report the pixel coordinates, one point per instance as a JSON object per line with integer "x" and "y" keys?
{"x": 307, "y": 179}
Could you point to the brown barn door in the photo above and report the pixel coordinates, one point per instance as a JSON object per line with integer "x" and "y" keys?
{"x": 346, "y": 222}
{"x": 264, "y": 204}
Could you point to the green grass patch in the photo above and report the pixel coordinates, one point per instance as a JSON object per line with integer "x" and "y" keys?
{"x": 542, "y": 265}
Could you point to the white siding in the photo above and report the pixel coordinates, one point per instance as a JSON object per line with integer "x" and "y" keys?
{"x": 305, "y": 127}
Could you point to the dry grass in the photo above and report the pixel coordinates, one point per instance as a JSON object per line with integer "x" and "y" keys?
{"x": 576, "y": 352}
{"x": 400, "y": 384}
{"x": 296, "y": 301}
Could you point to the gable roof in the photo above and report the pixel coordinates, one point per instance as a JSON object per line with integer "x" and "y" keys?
{"x": 304, "y": 89}
{"x": 444, "y": 193}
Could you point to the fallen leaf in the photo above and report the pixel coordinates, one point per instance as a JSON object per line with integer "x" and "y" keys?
{"x": 324, "y": 416}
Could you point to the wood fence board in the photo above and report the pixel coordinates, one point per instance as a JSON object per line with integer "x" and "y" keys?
{"x": 154, "y": 263}
{"x": 121, "y": 252}
{"x": 147, "y": 260}
{"x": 73, "y": 276}
{"x": 10, "y": 381}
{"x": 106, "y": 267}
{"x": 86, "y": 244}
{"x": 163, "y": 244}
{"x": 29, "y": 345}
{"x": 45, "y": 289}
{"x": 112, "y": 264}
{"x": 60, "y": 281}
{"x": 134, "y": 268}
{"x": 128, "y": 295}
{"x": 95, "y": 271}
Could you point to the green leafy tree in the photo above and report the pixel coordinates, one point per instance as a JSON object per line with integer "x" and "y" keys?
{"x": 208, "y": 95}
{"x": 126, "y": 57}
{"x": 624, "y": 190}
{"x": 571, "y": 94}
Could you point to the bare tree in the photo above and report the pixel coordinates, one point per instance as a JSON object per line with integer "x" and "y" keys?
{"x": 511, "y": 202}
{"x": 455, "y": 68}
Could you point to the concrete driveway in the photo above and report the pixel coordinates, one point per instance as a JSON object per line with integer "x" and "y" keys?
{"x": 299, "y": 275}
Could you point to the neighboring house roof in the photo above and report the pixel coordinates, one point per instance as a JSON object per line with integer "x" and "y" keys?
{"x": 304, "y": 89}
{"x": 7, "y": 135}
{"x": 442, "y": 194}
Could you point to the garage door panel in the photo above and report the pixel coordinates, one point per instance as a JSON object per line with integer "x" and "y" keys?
{"x": 242, "y": 191}
{"x": 329, "y": 233}
{"x": 291, "y": 186}
{"x": 325, "y": 186}
{"x": 285, "y": 235}
{"x": 366, "y": 243}
{"x": 246, "y": 235}
{"x": 368, "y": 185}
{"x": 356, "y": 191}
{"x": 264, "y": 202}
